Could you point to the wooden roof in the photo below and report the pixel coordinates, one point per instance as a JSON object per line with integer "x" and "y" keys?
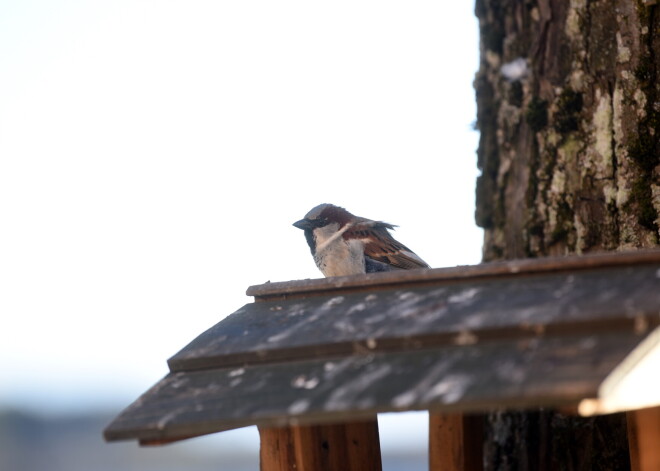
{"x": 564, "y": 332}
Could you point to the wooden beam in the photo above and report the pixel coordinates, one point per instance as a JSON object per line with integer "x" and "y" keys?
{"x": 352, "y": 446}
{"x": 455, "y": 442}
{"x": 644, "y": 439}
{"x": 502, "y": 269}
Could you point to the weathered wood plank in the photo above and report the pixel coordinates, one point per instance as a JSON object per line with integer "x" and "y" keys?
{"x": 349, "y": 446}
{"x": 644, "y": 439}
{"x": 456, "y": 442}
{"x": 277, "y": 451}
{"x": 413, "y": 317}
{"x": 501, "y": 270}
{"x": 529, "y": 372}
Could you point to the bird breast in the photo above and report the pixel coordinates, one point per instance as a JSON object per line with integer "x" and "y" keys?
{"x": 336, "y": 256}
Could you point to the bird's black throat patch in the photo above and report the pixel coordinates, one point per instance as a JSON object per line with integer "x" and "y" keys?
{"x": 309, "y": 235}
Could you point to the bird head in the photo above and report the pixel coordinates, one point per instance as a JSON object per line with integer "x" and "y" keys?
{"x": 322, "y": 215}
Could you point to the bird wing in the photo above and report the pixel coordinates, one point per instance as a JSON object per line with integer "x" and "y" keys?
{"x": 380, "y": 246}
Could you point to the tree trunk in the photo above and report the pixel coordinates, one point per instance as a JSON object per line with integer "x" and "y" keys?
{"x": 568, "y": 96}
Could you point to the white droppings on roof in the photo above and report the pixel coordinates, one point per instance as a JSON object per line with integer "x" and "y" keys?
{"x": 179, "y": 381}
{"x": 219, "y": 339}
{"x": 167, "y": 418}
{"x": 410, "y": 297}
{"x": 407, "y": 305}
{"x": 404, "y": 400}
{"x": 464, "y": 295}
{"x": 343, "y": 397}
{"x": 371, "y": 297}
{"x": 428, "y": 317}
{"x": 450, "y": 389}
{"x": 299, "y": 325}
{"x": 334, "y": 369}
{"x": 236, "y": 372}
{"x": 296, "y": 310}
{"x": 303, "y": 382}
{"x": 407, "y": 312}
{"x": 312, "y": 383}
{"x": 279, "y": 336}
{"x": 344, "y": 326}
{"x": 300, "y": 406}
{"x": 235, "y": 382}
{"x": 333, "y": 302}
{"x": 356, "y": 308}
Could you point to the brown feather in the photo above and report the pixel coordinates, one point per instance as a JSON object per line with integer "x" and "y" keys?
{"x": 381, "y": 246}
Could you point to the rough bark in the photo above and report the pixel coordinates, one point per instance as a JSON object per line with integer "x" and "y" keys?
{"x": 568, "y": 96}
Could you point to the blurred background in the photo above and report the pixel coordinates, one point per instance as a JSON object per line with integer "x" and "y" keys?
{"x": 153, "y": 155}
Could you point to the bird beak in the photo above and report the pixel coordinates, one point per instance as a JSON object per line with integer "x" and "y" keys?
{"x": 302, "y": 224}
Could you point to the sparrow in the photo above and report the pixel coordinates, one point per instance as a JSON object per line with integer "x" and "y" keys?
{"x": 344, "y": 244}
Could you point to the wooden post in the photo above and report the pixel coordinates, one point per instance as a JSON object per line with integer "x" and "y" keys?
{"x": 644, "y": 439}
{"x": 350, "y": 446}
{"x": 277, "y": 449}
{"x": 455, "y": 442}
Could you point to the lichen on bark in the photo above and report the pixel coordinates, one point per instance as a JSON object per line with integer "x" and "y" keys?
{"x": 569, "y": 151}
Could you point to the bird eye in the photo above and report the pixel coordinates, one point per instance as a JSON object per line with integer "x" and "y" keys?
{"x": 320, "y": 222}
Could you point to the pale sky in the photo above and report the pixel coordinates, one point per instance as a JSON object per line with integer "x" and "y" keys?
{"x": 153, "y": 155}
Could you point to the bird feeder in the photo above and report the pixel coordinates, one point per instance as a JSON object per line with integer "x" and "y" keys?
{"x": 312, "y": 362}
